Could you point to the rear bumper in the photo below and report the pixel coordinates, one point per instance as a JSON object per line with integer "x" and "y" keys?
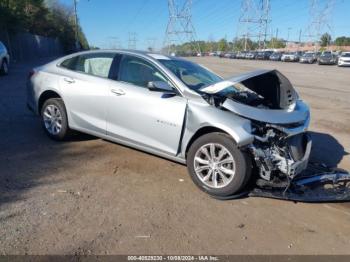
{"x": 31, "y": 102}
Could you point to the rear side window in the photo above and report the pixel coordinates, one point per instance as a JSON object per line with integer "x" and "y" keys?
{"x": 92, "y": 64}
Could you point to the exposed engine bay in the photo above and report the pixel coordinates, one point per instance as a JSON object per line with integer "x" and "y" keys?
{"x": 276, "y": 152}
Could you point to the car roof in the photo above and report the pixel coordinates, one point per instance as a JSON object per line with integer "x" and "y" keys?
{"x": 146, "y": 54}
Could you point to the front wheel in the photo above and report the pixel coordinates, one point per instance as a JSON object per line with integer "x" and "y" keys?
{"x": 54, "y": 119}
{"x": 217, "y": 166}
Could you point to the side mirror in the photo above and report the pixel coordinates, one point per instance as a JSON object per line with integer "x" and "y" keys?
{"x": 160, "y": 86}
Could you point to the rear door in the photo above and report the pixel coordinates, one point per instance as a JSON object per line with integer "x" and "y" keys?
{"x": 140, "y": 116}
{"x": 85, "y": 88}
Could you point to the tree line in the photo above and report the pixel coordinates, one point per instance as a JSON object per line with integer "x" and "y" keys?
{"x": 326, "y": 39}
{"x": 40, "y": 17}
{"x": 247, "y": 44}
{"x": 225, "y": 46}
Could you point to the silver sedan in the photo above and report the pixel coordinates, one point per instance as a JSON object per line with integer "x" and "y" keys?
{"x": 222, "y": 129}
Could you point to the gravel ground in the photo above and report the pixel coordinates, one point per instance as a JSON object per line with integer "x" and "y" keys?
{"x": 90, "y": 196}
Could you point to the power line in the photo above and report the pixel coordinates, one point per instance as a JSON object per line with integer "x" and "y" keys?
{"x": 180, "y": 28}
{"x": 320, "y": 19}
{"x": 132, "y": 21}
{"x": 132, "y": 40}
{"x": 114, "y": 42}
{"x": 254, "y": 22}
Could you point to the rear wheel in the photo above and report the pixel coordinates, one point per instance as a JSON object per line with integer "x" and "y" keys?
{"x": 54, "y": 119}
{"x": 217, "y": 166}
{"x": 4, "y": 69}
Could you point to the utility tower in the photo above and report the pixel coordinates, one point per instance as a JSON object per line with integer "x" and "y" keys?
{"x": 253, "y": 23}
{"x": 132, "y": 40}
{"x": 180, "y": 28}
{"x": 320, "y": 20}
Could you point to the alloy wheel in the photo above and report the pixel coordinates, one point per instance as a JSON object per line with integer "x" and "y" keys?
{"x": 52, "y": 119}
{"x": 214, "y": 165}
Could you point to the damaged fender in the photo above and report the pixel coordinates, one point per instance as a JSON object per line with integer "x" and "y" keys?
{"x": 199, "y": 115}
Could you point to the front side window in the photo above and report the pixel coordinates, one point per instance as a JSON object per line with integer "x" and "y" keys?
{"x": 139, "y": 72}
{"x": 92, "y": 64}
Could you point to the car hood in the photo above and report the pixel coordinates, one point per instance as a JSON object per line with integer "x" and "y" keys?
{"x": 273, "y": 87}
{"x": 297, "y": 113}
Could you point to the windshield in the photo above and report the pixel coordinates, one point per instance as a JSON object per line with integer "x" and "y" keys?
{"x": 309, "y": 54}
{"x": 191, "y": 74}
{"x": 326, "y": 54}
{"x": 345, "y": 55}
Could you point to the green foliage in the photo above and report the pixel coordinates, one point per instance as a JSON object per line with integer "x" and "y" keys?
{"x": 222, "y": 45}
{"x": 211, "y": 46}
{"x": 326, "y": 39}
{"x": 244, "y": 44}
{"x": 342, "y": 41}
{"x": 276, "y": 43}
{"x": 34, "y": 16}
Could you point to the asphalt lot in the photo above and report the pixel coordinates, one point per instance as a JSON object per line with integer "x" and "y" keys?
{"x": 90, "y": 196}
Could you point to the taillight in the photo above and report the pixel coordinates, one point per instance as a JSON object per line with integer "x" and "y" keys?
{"x": 31, "y": 73}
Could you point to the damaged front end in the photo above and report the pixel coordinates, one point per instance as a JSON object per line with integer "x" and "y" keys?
{"x": 279, "y": 152}
{"x": 281, "y": 147}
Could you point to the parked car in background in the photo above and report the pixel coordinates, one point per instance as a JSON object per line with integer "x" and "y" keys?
{"x": 276, "y": 56}
{"x": 344, "y": 59}
{"x": 290, "y": 57}
{"x": 179, "y": 110}
{"x": 308, "y": 57}
{"x": 227, "y": 55}
{"x": 250, "y": 55}
{"x": 4, "y": 60}
{"x": 263, "y": 55}
{"x": 327, "y": 58}
{"x": 233, "y": 55}
{"x": 241, "y": 55}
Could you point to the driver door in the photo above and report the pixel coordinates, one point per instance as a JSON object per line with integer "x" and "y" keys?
{"x": 146, "y": 118}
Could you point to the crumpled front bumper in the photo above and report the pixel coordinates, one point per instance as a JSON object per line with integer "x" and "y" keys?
{"x": 298, "y": 166}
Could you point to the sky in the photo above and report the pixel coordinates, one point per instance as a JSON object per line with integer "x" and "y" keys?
{"x": 107, "y": 23}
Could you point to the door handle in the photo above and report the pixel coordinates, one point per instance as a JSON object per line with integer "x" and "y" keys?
{"x": 118, "y": 92}
{"x": 69, "y": 80}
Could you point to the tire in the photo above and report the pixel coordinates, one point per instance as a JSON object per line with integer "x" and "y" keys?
{"x": 4, "y": 70}
{"x": 241, "y": 167}
{"x": 58, "y": 130}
